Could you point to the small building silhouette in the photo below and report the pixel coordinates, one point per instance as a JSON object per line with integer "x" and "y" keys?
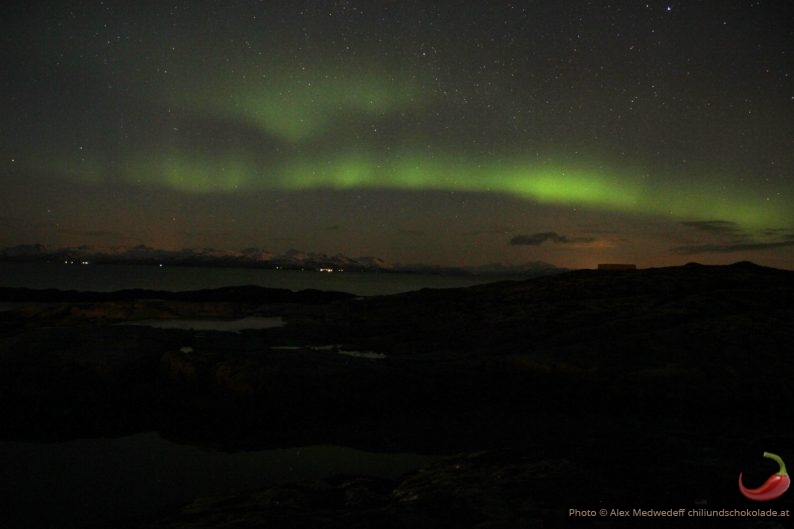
{"x": 615, "y": 266}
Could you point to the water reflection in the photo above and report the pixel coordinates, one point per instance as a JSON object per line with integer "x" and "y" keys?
{"x": 213, "y": 325}
{"x": 372, "y": 355}
{"x": 94, "y": 480}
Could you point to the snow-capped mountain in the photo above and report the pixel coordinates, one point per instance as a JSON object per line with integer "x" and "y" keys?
{"x": 250, "y": 257}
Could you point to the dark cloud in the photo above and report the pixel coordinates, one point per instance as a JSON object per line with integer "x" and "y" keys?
{"x": 713, "y": 226}
{"x": 537, "y": 239}
{"x": 781, "y": 233}
{"x": 737, "y": 240}
{"x": 413, "y": 233}
{"x": 730, "y": 248}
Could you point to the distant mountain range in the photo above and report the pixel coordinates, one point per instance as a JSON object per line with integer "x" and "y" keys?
{"x": 253, "y": 258}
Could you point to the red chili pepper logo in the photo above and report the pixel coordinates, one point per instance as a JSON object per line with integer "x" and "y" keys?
{"x": 774, "y": 487}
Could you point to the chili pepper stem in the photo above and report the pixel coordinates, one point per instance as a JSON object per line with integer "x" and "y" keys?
{"x": 782, "y": 470}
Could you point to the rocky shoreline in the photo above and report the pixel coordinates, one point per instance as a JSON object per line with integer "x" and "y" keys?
{"x": 627, "y": 389}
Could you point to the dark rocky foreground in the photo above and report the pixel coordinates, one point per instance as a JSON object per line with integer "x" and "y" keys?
{"x": 645, "y": 389}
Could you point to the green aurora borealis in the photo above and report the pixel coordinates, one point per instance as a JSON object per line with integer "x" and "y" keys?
{"x": 543, "y": 183}
{"x": 212, "y": 106}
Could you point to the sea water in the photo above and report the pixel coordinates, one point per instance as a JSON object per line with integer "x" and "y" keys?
{"x": 73, "y": 483}
{"x": 107, "y": 278}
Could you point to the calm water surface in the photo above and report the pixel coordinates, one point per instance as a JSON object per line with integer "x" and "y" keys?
{"x": 85, "y": 481}
{"x": 106, "y": 278}
{"x": 94, "y": 480}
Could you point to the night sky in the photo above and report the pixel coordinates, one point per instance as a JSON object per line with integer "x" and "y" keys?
{"x": 455, "y": 133}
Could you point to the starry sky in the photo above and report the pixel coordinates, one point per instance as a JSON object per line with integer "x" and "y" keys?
{"x": 451, "y": 133}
